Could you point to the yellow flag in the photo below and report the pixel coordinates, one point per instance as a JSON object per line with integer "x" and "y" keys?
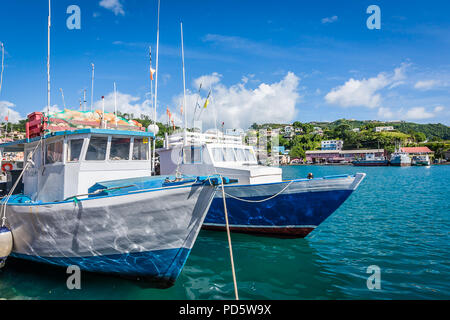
{"x": 206, "y": 103}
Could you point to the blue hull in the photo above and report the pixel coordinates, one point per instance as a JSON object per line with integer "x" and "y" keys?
{"x": 161, "y": 267}
{"x": 293, "y": 215}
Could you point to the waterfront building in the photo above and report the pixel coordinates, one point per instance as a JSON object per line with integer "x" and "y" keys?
{"x": 337, "y": 156}
{"x": 332, "y": 144}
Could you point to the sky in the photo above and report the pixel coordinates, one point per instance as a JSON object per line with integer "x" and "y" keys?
{"x": 263, "y": 61}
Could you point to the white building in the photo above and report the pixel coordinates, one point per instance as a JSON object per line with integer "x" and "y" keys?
{"x": 380, "y": 129}
{"x": 332, "y": 144}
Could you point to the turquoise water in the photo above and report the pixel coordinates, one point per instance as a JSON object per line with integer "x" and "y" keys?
{"x": 398, "y": 219}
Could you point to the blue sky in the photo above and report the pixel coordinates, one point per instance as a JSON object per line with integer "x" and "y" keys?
{"x": 265, "y": 61}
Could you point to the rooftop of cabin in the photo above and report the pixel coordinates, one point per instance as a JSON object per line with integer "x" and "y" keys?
{"x": 19, "y": 145}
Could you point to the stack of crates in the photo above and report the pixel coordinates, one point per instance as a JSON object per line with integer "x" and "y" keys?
{"x": 35, "y": 125}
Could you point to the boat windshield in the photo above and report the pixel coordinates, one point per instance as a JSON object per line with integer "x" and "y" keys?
{"x": 120, "y": 149}
{"x": 74, "y": 150}
{"x": 140, "y": 149}
{"x": 234, "y": 154}
{"x": 54, "y": 152}
{"x": 97, "y": 149}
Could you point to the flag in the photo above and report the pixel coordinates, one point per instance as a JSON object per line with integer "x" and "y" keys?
{"x": 7, "y": 117}
{"x": 152, "y": 71}
{"x": 181, "y": 109}
{"x": 173, "y": 124}
{"x": 207, "y": 100}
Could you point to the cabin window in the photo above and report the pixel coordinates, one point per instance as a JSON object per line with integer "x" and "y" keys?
{"x": 97, "y": 149}
{"x": 229, "y": 155}
{"x": 250, "y": 156}
{"x": 140, "y": 149}
{"x": 120, "y": 149}
{"x": 218, "y": 154}
{"x": 74, "y": 150}
{"x": 240, "y": 155}
{"x": 54, "y": 152}
{"x": 192, "y": 155}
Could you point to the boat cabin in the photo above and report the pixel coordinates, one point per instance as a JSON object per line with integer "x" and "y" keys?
{"x": 68, "y": 163}
{"x": 206, "y": 154}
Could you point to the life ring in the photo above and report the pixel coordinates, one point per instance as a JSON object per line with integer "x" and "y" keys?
{"x": 7, "y": 167}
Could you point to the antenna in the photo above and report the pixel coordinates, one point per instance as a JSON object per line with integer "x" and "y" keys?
{"x": 92, "y": 88}
{"x": 103, "y": 123}
{"x": 48, "y": 57}
{"x": 3, "y": 66}
{"x": 62, "y": 93}
{"x": 184, "y": 86}
{"x": 84, "y": 100}
{"x": 115, "y": 102}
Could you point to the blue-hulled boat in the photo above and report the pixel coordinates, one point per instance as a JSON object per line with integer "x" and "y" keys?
{"x": 89, "y": 200}
{"x": 261, "y": 201}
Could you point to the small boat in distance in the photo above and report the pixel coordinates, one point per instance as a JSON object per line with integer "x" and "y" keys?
{"x": 399, "y": 158}
{"x": 421, "y": 160}
{"x": 261, "y": 202}
{"x": 371, "y": 160}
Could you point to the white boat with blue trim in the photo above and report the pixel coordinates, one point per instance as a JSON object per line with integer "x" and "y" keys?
{"x": 261, "y": 202}
{"x": 90, "y": 200}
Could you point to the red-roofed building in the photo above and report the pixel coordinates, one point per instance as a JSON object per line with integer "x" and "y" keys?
{"x": 417, "y": 151}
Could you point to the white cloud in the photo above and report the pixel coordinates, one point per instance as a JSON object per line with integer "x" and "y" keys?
{"x": 6, "y": 109}
{"x": 239, "y": 107}
{"x": 365, "y": 92}
{"x": 329, "y": 19}
{"x": 385, "y": 113}
{"x": 53, "y": 109}
{"x": 426, "y": 84}
{"x": 207, "y": 81}
{"x": 126, "y": 103}
{"x": 113, "y": 5}
{"x": 418, "y": 113}
{"x": 439, "y": 109}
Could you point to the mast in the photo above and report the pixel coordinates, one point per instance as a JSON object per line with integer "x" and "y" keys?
{"x": 156, "y": 84}
{"x": 48, "y": 57}
{"x": 184, "y": 86}
{"x": 92, "y": 87}
{"x": 3, "y": 65}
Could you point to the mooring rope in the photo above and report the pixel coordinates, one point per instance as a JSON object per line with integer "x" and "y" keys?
{"x": 29, "y": 161}
{"x": 229, "y": 240}
{"x": 263, "y": 200}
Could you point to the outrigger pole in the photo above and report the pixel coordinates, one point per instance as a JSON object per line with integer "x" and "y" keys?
{"x": 184, "y": 87}
{"x": 154, "y": 109}
{"x": 156, "y": 85}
